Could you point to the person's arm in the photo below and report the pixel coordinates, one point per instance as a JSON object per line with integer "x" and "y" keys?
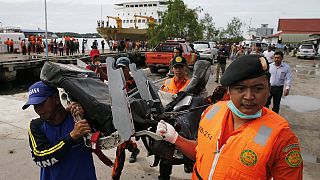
{"x": 46, "y": 154}
{"x": 287, "y": 81}
{"x": 285, "y": 160}
{"x": 43, "y": 152}
{"x": 185, "y": 146}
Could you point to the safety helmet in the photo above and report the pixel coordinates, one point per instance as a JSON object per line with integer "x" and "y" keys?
{"x": 122, "y": 61}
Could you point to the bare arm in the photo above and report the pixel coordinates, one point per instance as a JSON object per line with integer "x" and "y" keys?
{"x": 187, "y": 147}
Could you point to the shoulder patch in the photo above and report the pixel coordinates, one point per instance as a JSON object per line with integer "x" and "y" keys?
{"x": 290, "y": 146}
{"x": 294, "y": 158}
{"x": 248, "y": 157}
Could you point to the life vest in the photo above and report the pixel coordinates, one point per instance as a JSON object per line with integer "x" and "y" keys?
{"x": 170, "y": 87}
{"x": 244, "y": 155}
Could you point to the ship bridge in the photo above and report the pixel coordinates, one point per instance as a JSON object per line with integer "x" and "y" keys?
{"x": 128, "y": 9}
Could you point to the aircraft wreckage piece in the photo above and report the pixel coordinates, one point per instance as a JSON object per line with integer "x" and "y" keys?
{"x": 147, "y": 89}
{"x": 84, "y": 87}
{"x": 121, "y": 111}
{"x": 200, "y": 77}
{"x": 105, "y": 142}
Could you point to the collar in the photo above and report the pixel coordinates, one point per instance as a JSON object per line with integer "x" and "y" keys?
{"x": 182, "y": 81}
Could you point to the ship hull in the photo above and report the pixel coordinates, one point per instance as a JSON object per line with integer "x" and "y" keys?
{"x": 122, "y": 33}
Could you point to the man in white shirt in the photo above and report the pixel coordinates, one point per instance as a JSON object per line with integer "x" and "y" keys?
{"x": 280, "y": 81}
{"x": 268, "y": 54}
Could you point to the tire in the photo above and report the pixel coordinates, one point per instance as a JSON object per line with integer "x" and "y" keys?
{"x": 153, "y": 69}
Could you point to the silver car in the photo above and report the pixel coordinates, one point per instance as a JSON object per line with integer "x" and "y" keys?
{"x": 306, "y": 51}
{"x": 206, "y": 50}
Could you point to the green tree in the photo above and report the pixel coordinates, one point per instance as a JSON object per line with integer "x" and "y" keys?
{"x": 178, "y": 21}
{"x": 210, "y": 32}
{"x": 233, "y": 32}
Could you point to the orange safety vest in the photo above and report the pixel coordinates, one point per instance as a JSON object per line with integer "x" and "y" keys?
{"x": 170, "y": 86}
{"x": 244, "y": 155}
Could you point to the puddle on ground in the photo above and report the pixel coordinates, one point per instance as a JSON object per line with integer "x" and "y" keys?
{"x": 301, "y": 103}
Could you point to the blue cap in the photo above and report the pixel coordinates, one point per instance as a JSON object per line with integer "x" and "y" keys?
{"x": 38, "y": 93}
{"x": 122, "y": 61}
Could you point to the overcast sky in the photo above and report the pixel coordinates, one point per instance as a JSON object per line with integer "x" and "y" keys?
{"x": 81, "y": 15}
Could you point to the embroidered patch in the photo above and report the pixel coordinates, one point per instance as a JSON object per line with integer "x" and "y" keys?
{"x": 294, "y": 158}
{"x": 178, "y": 59}
{"x": 248, "y": 157}
{"x": 290, "y": 146}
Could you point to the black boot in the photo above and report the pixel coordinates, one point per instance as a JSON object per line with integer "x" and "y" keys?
{"x": 134, "y": 155}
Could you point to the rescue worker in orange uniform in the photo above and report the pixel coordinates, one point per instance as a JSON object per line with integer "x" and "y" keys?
{"x": 7, "y": 42}
{"x": 123, "y": 63}
{"x": 174, "y": 85}
{"x": 180, "y": 79}
{"x": 240, "y": 138}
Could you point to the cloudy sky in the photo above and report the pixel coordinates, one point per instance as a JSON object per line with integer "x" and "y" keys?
{"x": 81, "y": 15}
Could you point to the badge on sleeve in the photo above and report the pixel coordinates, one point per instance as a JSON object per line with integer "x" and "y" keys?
{"x": 248, "y": 157}
{"x": 294, "y": 158}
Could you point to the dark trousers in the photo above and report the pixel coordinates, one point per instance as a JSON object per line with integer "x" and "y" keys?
{"x": 165, "y": 169}
{"x": 275, "y": 94}
{"x": 222, "y": 67}
{"x": 121, "y": 156}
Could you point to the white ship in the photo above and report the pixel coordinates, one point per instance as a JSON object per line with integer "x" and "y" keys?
{"x": 132, "y": 19}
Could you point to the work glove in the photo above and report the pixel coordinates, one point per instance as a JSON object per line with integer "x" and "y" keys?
{"x": 167, "y": 131}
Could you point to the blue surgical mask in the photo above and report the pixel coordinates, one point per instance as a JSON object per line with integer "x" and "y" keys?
{"x": 238, "y": 113}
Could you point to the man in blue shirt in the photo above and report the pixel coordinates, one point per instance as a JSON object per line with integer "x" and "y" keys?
{"x": 56, "y": 139}
{"x": 280, "y": 81}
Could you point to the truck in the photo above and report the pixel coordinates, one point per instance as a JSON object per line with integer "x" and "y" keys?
{"x": 161, "y": 56}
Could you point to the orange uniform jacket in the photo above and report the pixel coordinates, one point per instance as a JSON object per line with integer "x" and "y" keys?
{"x": 172, "y": 86}
{"x": 260, "y": 149}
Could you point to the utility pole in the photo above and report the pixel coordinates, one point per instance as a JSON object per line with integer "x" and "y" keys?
{"x": 45, "y": 11}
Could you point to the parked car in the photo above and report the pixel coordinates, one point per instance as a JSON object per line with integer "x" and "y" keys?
{"x": 306, "y": 51}
{"x": 207, "y": 50}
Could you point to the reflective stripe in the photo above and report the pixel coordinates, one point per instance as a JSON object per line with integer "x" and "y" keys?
{"x": 212, "y": 112}
{"x": 168, "y": 81}
{"x": 262, "y": 135}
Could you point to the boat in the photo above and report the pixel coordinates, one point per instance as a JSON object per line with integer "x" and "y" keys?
{"x": 122, "y": 33}
{"x": 133, "y": 19}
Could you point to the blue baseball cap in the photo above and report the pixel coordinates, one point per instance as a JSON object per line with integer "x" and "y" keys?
{"x": 38, "y": 93}
{"x": 122, "y": 61}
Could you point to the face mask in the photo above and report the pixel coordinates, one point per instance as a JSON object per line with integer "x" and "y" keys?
{"x": 236, "y": 111}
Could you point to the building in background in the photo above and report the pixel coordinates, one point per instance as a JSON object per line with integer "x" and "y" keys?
{"x": 295, "y": 31}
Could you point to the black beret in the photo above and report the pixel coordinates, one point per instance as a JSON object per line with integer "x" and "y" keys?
{"x": 245, "y": 67}
{"x": 178, "y": 60}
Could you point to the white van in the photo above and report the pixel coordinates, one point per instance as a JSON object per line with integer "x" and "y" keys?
{"x": 15, "y": 37}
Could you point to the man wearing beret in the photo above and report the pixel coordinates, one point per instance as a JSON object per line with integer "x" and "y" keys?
{"x": 240, "y": 138}
{"x": 180, "y": 79}
{"x": 174, "y": 85}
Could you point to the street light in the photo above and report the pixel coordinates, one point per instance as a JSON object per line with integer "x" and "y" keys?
{"x": 45, "y": 11}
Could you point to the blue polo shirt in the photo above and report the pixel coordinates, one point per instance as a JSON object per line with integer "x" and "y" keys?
{"x": 77, "y": 163}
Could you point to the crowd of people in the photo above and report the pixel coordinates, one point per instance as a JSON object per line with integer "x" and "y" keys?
{"x": 238, "y": 137}
{"x": 127, "y": 45}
